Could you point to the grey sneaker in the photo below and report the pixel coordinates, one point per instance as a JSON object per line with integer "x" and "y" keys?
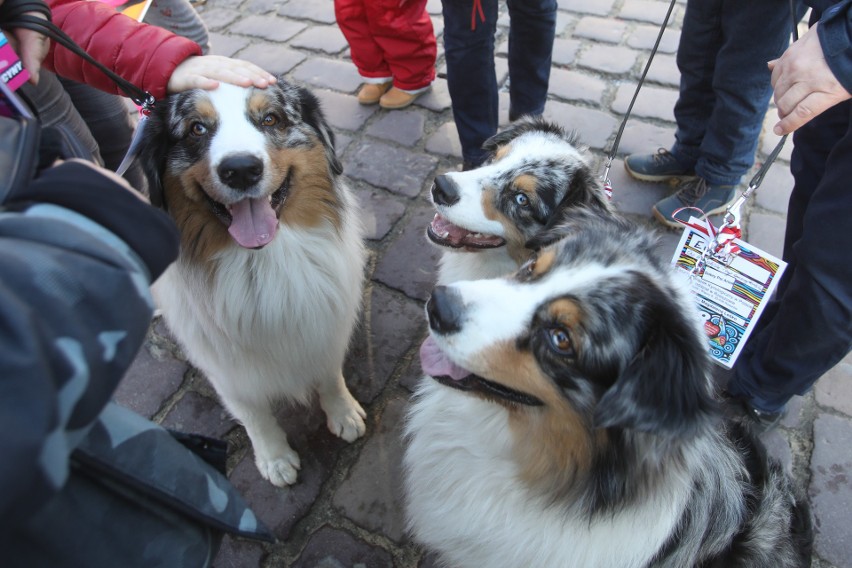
{"x": 661, "y": 166}
{"x": 697, "y": 193}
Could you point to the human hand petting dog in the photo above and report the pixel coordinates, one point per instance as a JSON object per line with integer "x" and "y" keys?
{"x": 206, "y": 71}
{"x": 804, "y": 84}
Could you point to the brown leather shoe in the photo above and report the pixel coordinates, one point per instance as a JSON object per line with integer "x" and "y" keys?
{"x": 396, "y": 99}
{"x": 370, "y": 93}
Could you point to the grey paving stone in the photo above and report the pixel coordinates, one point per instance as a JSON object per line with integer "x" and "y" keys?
{"x": 595, "y": 7}
{"x": 641, "y": 137}
{"x": 795, "y": 410}
{"x": 434, "y": 7}
{"x": 437, "y": 99}
{"x": 663, "y": 70}
{"x": 379, "y": 211}
{"x": 336, "y": 548}
{"x": 318, "y": 449}
{"x": 218, "y": 18}
{"x": 322, "y": 12}
{"x": 396, "y": 169}
{"x": 565, "y": 51}
{"x": 563, "y": 22}
{"x": 652, "y": 102}
{"x": 774, "y": 192}
{"x": 267, "y": 27}
{"x": 644, "y": 37}
{"x": 226, "y": 45}
{"x": 273, "y": 57}
{"x": 414, "y": 374}
{"x": 445, "y": 141}
{"x": 766, "y": 232}
{"x": 344, "y": 111}
{"x": 328, "y": 39}
{"x": 386, "y": 333}
{"x": 149, "y": 382}
{"x": 600, "y": 29}
{"x": 612, "y": 59}
{"x": 238, "y": 553}
{"x": 593, "y": 126}
{"x": 644, "y": 11}
{"x": 403, "y": 126}
{"x": 632, "y": 196}
{"x": 198, "y": 414}
{"x": 830, "y": 489}
{"x": 371, "y": 495}
{"x": 410, "y": 262}
{"x": 834, "y": 389}
{"x": 576, "y": 86}
{"x": 259, "y": 6}
{"x": 329, "y": 74}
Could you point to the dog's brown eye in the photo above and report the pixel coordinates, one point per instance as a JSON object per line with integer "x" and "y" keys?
{"x": 269, "y": 120}
{"x": 198, "y": 129}
{"x": 522, "y": 199}
{"x": 561, "y": 342}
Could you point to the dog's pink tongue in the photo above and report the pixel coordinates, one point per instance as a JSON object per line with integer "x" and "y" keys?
{"x": 253, "y": 222}
{"x": 435, "y": 363}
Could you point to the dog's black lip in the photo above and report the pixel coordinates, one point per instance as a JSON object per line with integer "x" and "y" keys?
{"x": 475, "y": 383}
{"x": 444, "y": 243}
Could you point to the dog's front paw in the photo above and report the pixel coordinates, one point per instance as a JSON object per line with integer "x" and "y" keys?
{"x": 347, "y": 421}
{"x": 281, "y": 470}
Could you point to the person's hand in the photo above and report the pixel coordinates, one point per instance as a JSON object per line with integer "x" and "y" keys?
{"x": 804, "y": 84}
{"x": 205, "y": 72}
{"x": 31, "y": 47}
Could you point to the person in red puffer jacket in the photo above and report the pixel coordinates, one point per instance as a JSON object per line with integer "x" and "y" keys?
{"x": 150, "y": 57}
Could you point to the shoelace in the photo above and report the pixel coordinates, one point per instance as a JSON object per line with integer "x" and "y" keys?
{"x": 692, "y": 190}
{"x": 661, "y": 155}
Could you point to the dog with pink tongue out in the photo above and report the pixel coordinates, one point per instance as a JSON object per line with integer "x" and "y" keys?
{"x": 268, "y": 286}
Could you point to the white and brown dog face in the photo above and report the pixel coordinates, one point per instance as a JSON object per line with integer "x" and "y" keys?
{"x": 588, "y": 338}
{"x": 244, "y": 159}
{"x": 535, "y": 170}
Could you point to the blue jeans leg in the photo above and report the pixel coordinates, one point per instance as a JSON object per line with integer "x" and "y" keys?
{"x": 725, "y": 83}
{"x": 532, "y": 28}
{"x": 471, "y": 76}
{"x": 807, "y": 328}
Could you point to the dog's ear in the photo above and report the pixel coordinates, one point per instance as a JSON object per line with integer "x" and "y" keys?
{"x": 313, "y": 116}
{"x": 153, "y": 147}
{"x": 664, "y": 389}
{"x": 584, "y": 191}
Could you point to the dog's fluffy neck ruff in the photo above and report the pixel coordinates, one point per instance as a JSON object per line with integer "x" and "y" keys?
{"x": 484, "y": 480}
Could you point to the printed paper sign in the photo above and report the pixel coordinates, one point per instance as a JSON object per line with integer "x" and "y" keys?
{"x": 12, "y": 72}
{"x": 730, "y": 293}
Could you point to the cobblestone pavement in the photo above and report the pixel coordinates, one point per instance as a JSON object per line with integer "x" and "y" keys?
{"x": 345, "y": 509}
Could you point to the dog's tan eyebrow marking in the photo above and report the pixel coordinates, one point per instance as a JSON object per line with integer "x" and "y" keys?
{"x": 567, "y": 312}
{"x": 526, "y": 183}
{"x": 502, "y": 152}
{"x": 206, "y": 109}
{"x": 257, "y": 103}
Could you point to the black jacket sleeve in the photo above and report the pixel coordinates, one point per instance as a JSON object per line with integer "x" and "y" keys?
{"x": 77, "y": 255}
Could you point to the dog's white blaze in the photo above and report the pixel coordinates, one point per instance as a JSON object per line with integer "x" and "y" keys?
{"x": 483, "y": 326}
{"x": 235, "y": 133}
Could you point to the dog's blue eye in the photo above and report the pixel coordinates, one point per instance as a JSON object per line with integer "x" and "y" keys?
{"x": 522, "y": 200}
{"x": 561, "y": 341}
{"x": 198, "y": 129}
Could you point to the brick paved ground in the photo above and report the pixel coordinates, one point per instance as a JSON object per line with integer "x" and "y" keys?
{"x": 345, "y": 510}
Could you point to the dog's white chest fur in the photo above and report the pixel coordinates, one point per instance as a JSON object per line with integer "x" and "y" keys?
{"x": 465, "y": 497}
{"x": 264, "y": 323}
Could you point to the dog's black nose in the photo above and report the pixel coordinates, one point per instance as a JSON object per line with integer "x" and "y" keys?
{"x": 240, "y": 171}
{"x": 444, "y": 191}
{"x": 445, "y": 309}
